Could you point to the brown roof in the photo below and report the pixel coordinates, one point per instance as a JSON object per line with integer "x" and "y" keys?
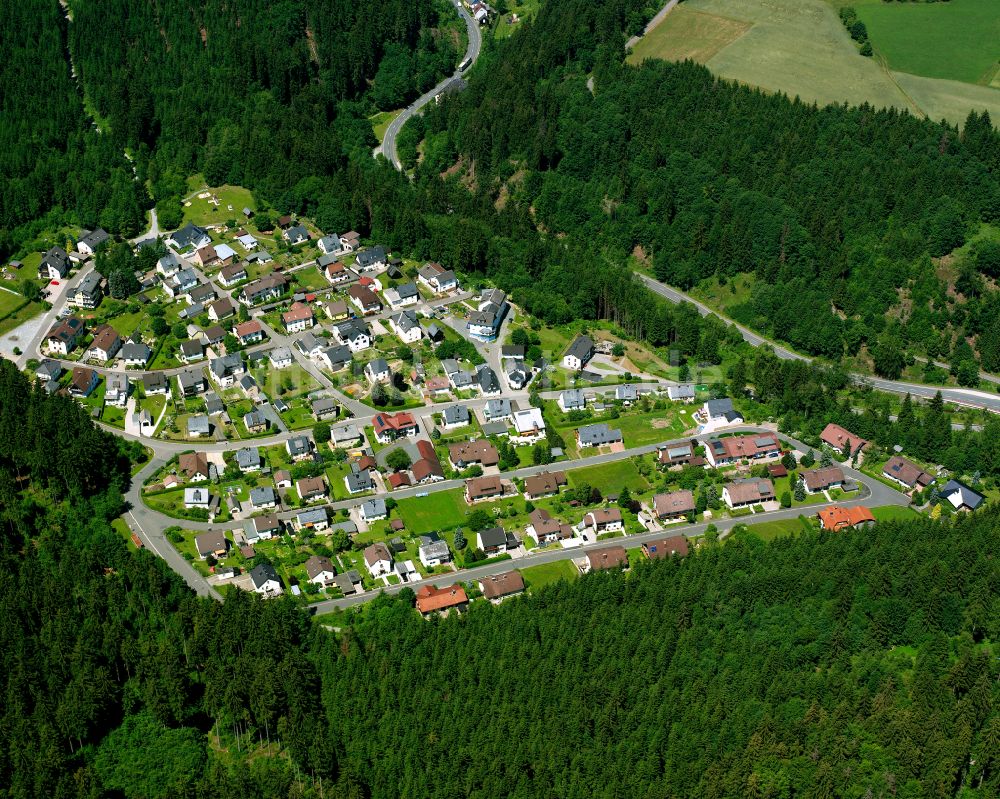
{"x": 836, "y": 436}
{"x": 105, "y": 338}
{"x": 756, "y": 490}
{"x": 376, "y": 552}
{"x": 502, "y": 584}
{"x": 223, "y": 307}
{"x": 318, "y": 564}
{"x": 207, "y": 253}
{"x": 665, "y": 547}
{"x": 82, "y": 379}
{"x": 247, "y": 551}
{"x": 67, "y": 330}
{"x": 191, "y": 463}
{"x": 484, "y": 487}
{"x": 310, "y": 485}
{"x": 269, "y": 521}
{"x": 248, "y": 328}
{"x": 777, "y": 470}
{"x": 398, "y": 479}
{"x": 425, "y": 467}
{"x": 210, "y": 542}
{"x": 906, "y": 471}
{"x": 818, "y": 479}
{"x": 479, "y": 451}
{"x": 431, "y": 598}
{"x": 231, "y": 271}
{"x": 297, "y": 313}
{"x": 744, "y": 446}
{"x": 545, "y": 525}
{"x": 605, "y": 515}
{"x": 364, "y": 295}
{"x": 675, "y": 502}
{"x": 544, "y": 483}
{"x": 607, "y": 558}
{"x": 282, "y": 475}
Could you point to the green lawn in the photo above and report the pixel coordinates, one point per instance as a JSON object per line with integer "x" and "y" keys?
{"x": 310, "y": 279}
{"x": 546, "y": 573}
{"x": 653, "y": 427}
{"x": 9, "y": 301}
{"x": 780, "y": 528}
{"x": 381, "y": 121}
{"x": 14, "y": 311}
{"x": 610, "y": 478}
{"x": 958, "y": 40}
{"x": 891, "y": 513}
{"x": 202, "y": 212}
{"x": 441, "y": 510}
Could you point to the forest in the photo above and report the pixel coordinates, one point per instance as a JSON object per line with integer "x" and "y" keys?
{"x": 854, "y": 664}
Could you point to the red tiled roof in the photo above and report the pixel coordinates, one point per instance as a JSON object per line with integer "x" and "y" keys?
{"x": 430, "y": 598}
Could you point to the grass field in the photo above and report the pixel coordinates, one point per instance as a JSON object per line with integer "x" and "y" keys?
{"x": 800, "y": 47}
{"x": 441, "y": 510}
{"x": 537, "y": 576}
{"x": 958, "y": 40}
{"x": 381, "y": 121}
{"x": 202, "y": 212}
{"x": 891, "y": 513}
{"x": 9, "y": 302}
{"x": 780, "y": 528}
{"x": 689, "y": 34}
{"x": 610, "y": 478}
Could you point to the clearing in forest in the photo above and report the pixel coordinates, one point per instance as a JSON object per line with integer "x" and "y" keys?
{"x": 685, "y": 34}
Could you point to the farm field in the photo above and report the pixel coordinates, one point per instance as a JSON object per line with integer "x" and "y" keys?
{"x": 800, "y": 48}
{"x": 914, "y": 37}
{"x": 689, "y": 34}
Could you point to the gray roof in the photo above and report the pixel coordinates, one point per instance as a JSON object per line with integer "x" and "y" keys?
{"x": 311, "y": 516}
{"x": 450, "y": 366}
{"x": 136, "y": 351}
{"x": 574, "y": 398}
{"x": 626, "y": 392}
{"x": 719, "y": 407}
{"x": 94, "y": 239}
{"x": 497, "y": 407}
{"x": 582, "y": 347}
{"x": 198, "y": 424}
{"x": 254, "y": 419}
{"x": 298, "y": 445}
{"x": 373, "y": 507}
{"x": 685, "y": 391}
{"x": 495, "y": 429}
{"x": 49, "y": 370}
{"x": 227, "y": 364}
{"x": 378, "y": 366}
{"x": 324, "y": 405}
{"x": 970, "y": 497}
{"x": 341, "y": 353}
{"x": 248, "y": 457}
{"x": 297, "y": 233}
{"x": 90, "y": 284}
{"x": 344, "y": 432}
{"x": 407, "y": 290}
{"x": 493, "y": 537}
{"x": 434, "y": 549}
{"x": 405, "y": 321}
{"x": 456, "y": 414}
{"x": 358, "y": 480}
{"x": 262, "y": 573}
{"x": 330, "y": 243}
{"x": 487, "y": 379}
{"x": 262, "y": 495}
{"x": 191, "y": 379}
{"x": 213, "y": 404}
{"x": 188, "y": 235}
{"x": 307, "y": 342}
{"x": 351, "y": 329}
{"x": 371, "y": 256}
{"x": 597, "y": 434}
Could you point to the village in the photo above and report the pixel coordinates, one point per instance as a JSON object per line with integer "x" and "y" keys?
{"x": 328, "y": 419}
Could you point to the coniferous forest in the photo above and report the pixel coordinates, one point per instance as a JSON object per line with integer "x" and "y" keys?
{"x": 855, "y": 664}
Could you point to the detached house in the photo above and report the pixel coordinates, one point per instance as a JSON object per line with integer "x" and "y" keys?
{"x": 364, "y": 298}
{"x": 500, "y": 586}
{"x": 249, "y": 332}
{"x": 371, "y": 259}
{"x": 55, "y": 265}
{"x": 431, "y": 599}
{"x": 606, "y": 559}
{"x": 93, "y": 241}
{"x": 493, "y": 541}
{"x": 105, "y": 345}
{"x": 483, "y": 488}
{"x": 265, "y": 580}
{"x": 87, "y": 293}
{"x": 296, "y": 234}
{"x": 378, "y": 559}
{"x": 579, "y": 353}
{"x": 433, "y": 552}
{"x": 733, "y": 449}
{"x": 484, "y": 323}
{"x": 572, "y": 399}
{"x": 389, "y": 427}
{"x": 233, "y": 274}
{"x": 819, "y": 480}
{"x": 743, "y": 493}
{"x": 666, "y": 548}
{"x": 354, "y": 333}
{"x": 842, "y": 440}
{"x": 597, "y": 435}
{"x": 604, "y": 520}
{"x": 298, "y": 318}
{"x": 673, "y": 505}
{"x": 960, "y": 496}
{"x": 320, "y": 571}
{"x": 402, "y": 296}
{"x": 227, "y": 369}
{"x": 62, "y": 338}
{"x": 188, "y": 239}
{"x": 546, "y": 484}
{"x": 906, "y": 473}
{"x": 546, "y": 530}
{"x": 83, "y": 382}
{"x": 437, "y": 278}
{"x": 269, "y": 287}
{"x": 406, "y": 327}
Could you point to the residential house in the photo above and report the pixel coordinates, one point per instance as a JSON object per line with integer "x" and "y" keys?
{"x": 213, "y": 405}
{"x": 283, "y": 479}
{"x": 324, "y": 408}
{"x": 315, "y": 519}
{"x": 471, "y": 453}
{"x": 227, "y": 369}
{"x": 310, "y": 345}
{"x": 212, "y": 543}
{"x": 455, "y": 416}
{"x": 673, "y": 505}
{"x": 431, "y": 599}
{"x": 402, "y": 296}
{"x": 666, "y": 548}
{"x": 572, "y": 399}
{"x": 311, "y": 489}
{"x": 188, "y": 239}
{"x": 348, "y": 583}
{"x": 484, "y": 323}
{"x": 824, "y": 479}
{"x": 194, "y": 466}
{"x": 267, "y": 288}
{"x": 626, "y": 394}
{"x": 604, "y": 520}
{"x": 248, "y": 459}
{"x": 330, "y": 245}
{"x": 320, "y": 571}
{"x": 371, "y": 259}
{"x": 721, "y": 411}
{"x": 437, "y": 278}
{"x": 105, "y": 345}
{"x": 299, "y": 447}
{"x": 529, "y": 426}
{"x": 546, "y": 484}
{"x": 265, "y": 580}
{"x": 263, "y": 497}
{"x": 354, "y": 333}
{"x": 497, "y": 410}
{"x": 169, "y": 265}
{"x": 337, "y": 310}
{"x": 492, "y": 541}
{"x": 215, "y": 335}
{"x": 842, "y": 440}
{"x": 606, "y": 559}
{"x": 961, "y": 496}
{"x": 63, "y": 337}
{"x": 296, "y": 234}
{"x": 836, "y": 519}
{"x": 55, "y": 265}
{"x": 487, "y": 381}
{"x": 233, "y": 274}
{"x": 335, "y": 358}
{"x": 280, "y": 357}
{"x": 498, "y": 587}
{"x": 83, "y": 382}
{"x": 206, "y": 256}
{"x": 391, "y": 426}
{"x": 197, "y": 498}
{"x": 247, "y": 242}
{"x": 516, "y": 373}
{"x": 191, "y": 383}
{"x": 546, "y": 530}
{"x": 597, "y": 435}
{"x": 683, "y": 393}
{"x": 377, "y": 371}
{"x": 88, "y": 293}
{"x": 579, "y": 353}
{"x": 180, "y": 283}
{"x": 433, "y": 552}
{"x": 378, "y": 559}
{"x": 154, "y": 383}
{"x": 733, "y": 449}
{"x": 406, "y": 327}
{"x": 249, "y": 332}
{"x": 426, "y": 469}
{"x": 191, "y": 350}
{"x": 298, "y": 318}
{"x": 365, "y": 299}
{"x": 359, "y": 480}
{"x": 678, "y": 454}
{"x": 906, "y": 473}
{"x": 221, "y": 309}
{"x": 743, "y": 493}
{"x": 116, "y": 390}
{"x": 373, "y": 510}
{"x": 198, "y": 426}
{"x": 135, "y": 352}
{"x": 92, "y": 241}
{"x": 345, "y": 435}
{"x": 336, "y": 272}
{"x": 48, "y": 370}
{"x": 255, "y": 422}
{"x": 479, "y": 489}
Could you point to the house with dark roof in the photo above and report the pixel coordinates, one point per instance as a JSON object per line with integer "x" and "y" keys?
{"x": 320, "y": 571}
{"x": 743, "y": 493}
{"x": 484, "y": 322}
{"x": 83, "y": 382}
{"x": 296, "y": 234}
{"x": 212, "y": 543}
{"x": 191, "y": 383}
{"x": 93, "y": 241}
{"x": 269, "y": 287}
{"x": 55, "y": 264}
{"x": 546, "y": 484}
{"x": 597, "y": 435}
{"x": 63, "y": 337}
{"x": 135, "y": 352}
{"x": 358, "y": 480}
{"x": 906, "y": 473}
{"x": 960, "y": 496}
{"x": 666, "y": 548}
{"x": 572, "y": 399}
{"x": 88, "y": 293}
{"x": 492, "y": 541}
{"x": 265, "y": 580}
{"x": 579, "y": 353}
{"x": 354, "y": 333}
{"x": 188, "y": 239}
{"x": 364, "y": 298}
{"x": 371, "y": 259}
{"x": 673, "y": 505}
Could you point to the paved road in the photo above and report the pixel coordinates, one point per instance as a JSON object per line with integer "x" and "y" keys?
{"x": 651, "y": 24}
{"x": 959, "y": 396}
{"x": 153, "y": 231}
{"x": 388, "y": 148}
{"x": 874, "y": 494}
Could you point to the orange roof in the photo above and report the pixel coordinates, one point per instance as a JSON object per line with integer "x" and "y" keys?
{"x": 430, "y": 599}
{"x": 839, "y": 518}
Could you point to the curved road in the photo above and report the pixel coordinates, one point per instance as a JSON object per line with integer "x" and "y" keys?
{"x": 959, "y": 396}
{"x": 388, "y": 148}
